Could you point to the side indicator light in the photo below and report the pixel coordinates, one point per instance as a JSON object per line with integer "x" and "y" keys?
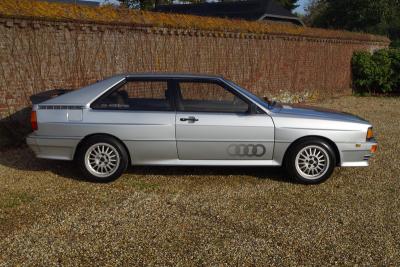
{"x": 34, "y": 123}
{"x": 374, "y": 148}
{"x": 370, "y": 134}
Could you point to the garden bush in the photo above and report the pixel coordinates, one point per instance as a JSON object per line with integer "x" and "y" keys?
{"x": 394, "y": 55}
{"x": 363, "y": 69}
{"x": 377, "y": 72}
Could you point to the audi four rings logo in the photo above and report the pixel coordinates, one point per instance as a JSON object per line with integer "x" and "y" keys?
{"x": 243, "y": 150}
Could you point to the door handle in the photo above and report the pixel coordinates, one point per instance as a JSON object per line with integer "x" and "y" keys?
{"x": 189, "y": 119}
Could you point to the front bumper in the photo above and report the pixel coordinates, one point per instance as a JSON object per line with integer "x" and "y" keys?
{"x": 356, "y": 154}
{"x": 52, "y": 147}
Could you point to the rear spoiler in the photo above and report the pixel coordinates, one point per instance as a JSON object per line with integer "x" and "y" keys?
{"x": 46, "y": 95}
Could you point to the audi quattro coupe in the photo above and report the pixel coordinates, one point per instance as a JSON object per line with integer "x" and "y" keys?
{"x": 197, "y": 120}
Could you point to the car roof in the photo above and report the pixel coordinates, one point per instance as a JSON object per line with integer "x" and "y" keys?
{"x": 89, "y": 93}
{"x": 171, "y": 75}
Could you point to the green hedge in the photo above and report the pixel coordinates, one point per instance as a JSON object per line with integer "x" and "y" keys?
{"x": 378, "y": 72}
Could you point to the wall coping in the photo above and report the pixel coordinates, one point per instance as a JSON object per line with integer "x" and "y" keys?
{"x": 84, "y": 25}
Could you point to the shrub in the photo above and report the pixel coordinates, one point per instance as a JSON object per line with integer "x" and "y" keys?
{"x": 394, "y": 55}
{"x": 395, "y": 43}
{"x": 376, "y": 73}
{"x": 363, "y": 69}
{"x": 382, "y": 78}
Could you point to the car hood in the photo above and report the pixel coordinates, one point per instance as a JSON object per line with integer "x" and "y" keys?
{"x": 309, "y": 111}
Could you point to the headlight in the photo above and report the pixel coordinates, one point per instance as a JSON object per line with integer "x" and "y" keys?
{"x": 370, "y": 134}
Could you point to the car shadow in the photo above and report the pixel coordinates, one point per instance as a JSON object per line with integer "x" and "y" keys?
{"x": 22, "y": 158}
{"x": 272, "y": 173}
{"x": 14, "y": 128}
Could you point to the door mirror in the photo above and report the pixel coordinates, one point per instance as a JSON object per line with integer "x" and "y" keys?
{"x": 254, "y": 109}
{"x": 270, "y": 102}
{"x": 266, "y": 99}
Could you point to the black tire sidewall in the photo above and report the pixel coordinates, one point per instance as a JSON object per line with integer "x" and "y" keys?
{"x": 123, "y": 164}
{"x": 291, "y": 159}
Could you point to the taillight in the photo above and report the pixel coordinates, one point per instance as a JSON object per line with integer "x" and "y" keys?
{"x": 34, "y": 124}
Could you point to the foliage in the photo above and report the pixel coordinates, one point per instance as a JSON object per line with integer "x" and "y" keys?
{"x": 394, "y": 55}
{"x": 150, "y": 4}
{"x": 378, "y": 72}
{"x": 371, "y": 16}
{"x": 289, "y": 4}
{"x": 363, "y": 69}
{"x": 382, "y": 79}
{"x": 143, "y": 4}
{"x": 110, "y": 14}
{"x": 314, "y": 11}
{"x": 395, "y": 43}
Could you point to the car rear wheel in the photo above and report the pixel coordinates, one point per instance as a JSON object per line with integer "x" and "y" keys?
{"x": 311, "y": 161}
{"x": 102, "y": 159}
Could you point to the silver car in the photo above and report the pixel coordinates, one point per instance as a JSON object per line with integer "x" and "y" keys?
{"x": 197, "y": 120}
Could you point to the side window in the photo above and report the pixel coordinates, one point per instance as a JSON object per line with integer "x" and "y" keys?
{"x": 138, "y": 95}
{"x": 209, "y": 97}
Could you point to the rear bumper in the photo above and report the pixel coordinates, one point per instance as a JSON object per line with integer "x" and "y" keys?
{"x": 356, "y": 154}
{"x": 52, "y": 148}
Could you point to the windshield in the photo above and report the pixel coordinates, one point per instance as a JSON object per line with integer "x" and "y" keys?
{"x": 252, "y": 96}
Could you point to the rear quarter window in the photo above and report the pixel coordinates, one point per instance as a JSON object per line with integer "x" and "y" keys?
{"x": 137, "y": 95}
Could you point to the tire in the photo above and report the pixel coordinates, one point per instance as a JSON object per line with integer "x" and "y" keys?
{"x": 310, "y": 161}
{"x": 102, "y": 159}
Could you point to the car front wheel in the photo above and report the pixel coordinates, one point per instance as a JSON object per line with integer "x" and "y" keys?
{"x": 102, "y": 159}
{"x": 311, "y": 161}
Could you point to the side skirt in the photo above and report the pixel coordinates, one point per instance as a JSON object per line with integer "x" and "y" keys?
{"x": 177, "y": 162}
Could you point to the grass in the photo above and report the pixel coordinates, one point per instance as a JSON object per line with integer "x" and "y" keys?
{"x": 145, "y": 186}
{"x": 14, "y": 199}
{"x": 206, "y": 216}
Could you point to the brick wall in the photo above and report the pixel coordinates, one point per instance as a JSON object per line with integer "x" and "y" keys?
{"x": 37, "y": 55}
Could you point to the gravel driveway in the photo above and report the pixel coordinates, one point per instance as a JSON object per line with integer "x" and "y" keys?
{"x": 206, "y": 216}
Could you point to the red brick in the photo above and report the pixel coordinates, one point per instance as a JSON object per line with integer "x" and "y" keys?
{"x": 67, "y": 57}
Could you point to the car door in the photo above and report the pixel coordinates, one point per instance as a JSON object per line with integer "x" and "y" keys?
{"x": 214, "y": 122}
{"x": 141, "y": 113}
